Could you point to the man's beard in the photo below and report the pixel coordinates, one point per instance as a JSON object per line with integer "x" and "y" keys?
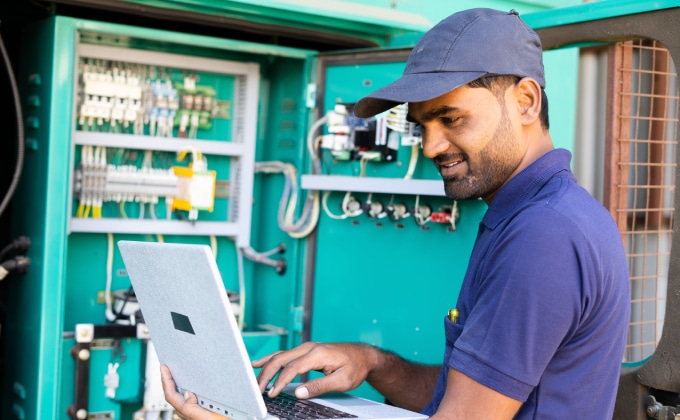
{"x": 492, "y": 169}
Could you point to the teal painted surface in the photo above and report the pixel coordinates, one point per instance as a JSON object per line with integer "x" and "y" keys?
{"x": 130, "y": 356}
{"x": 335, "y": 17}
{"x": 390, "y": 286}
{"x": 179, "y": 43}
{"x": 378, "y": 281}
{"x": 281, "y": 137}
{"x": 415, "y": 272}
{"x": 595, "y": 10}
{"x": 68, "y": 274}
{"x": 131, "y": 384}
{"x": 34, "y": 327}
{"x": 561, "y": 73}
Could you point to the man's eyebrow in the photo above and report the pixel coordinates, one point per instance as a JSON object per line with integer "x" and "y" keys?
{"x": 432, "y": 114}
{"x": 437, "y": 112}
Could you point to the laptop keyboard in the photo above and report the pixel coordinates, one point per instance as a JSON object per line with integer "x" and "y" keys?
{"x": 287, "y": 407}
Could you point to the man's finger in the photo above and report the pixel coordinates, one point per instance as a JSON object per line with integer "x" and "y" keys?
{"x": 262, "y": 360}
{"x": 315, "y": 359}
{"x": 322, "y": 385}
{"x": 173, "y": 397}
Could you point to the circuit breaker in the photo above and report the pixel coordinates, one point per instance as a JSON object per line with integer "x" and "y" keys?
{"x": 157, "y": 135}
{"x": 153, "y": 134}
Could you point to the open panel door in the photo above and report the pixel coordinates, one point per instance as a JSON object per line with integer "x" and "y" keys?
{"x": 640, "y": 159}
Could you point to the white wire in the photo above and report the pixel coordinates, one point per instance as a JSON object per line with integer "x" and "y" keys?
{"x": 242, "y": 288}
{"x": 345, "y": 206}
{"x": 109, "y": 278}
{"x": 314, "y": 219}
{"x": 412, "y": 162}
{"x": 418, "y": 216}
{"x": 324, "y": 203}
{"x": 454, "y": 211}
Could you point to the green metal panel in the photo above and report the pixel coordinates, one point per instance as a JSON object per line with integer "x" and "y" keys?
{"x": 283, "y": 121}
{"x": 358, "y": 20}
{"x": 561, "y": 73}
{"x": 34, "y": 329}
{"x": 594, "y": 11}
{"x": 416, "y": 272}
{"x": 65, "y": 284}
{"x": 378, "y": 281}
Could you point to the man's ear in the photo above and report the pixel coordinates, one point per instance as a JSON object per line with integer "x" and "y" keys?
{"x": 528, "y": 96}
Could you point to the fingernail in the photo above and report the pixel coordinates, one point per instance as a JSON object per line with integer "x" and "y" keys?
{"x": 186, "y": 395}
{"x": 302, "y": 392}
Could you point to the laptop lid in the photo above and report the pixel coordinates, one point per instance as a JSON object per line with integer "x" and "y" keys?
{"x": 187, "y": 311}
{"x": 194, "y": 331}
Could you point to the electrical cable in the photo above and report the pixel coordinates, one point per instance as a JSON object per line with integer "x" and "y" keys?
{"x": 454, "y": 215}
{"x": 20, "y": 244}
{"x": 417, "y": 215}
{"x": 110, "y": 316}
{"x": 324, "y": 202}
{"x": 19, "y": 264}
{"x": 280, "y": 264}
{"x": 242, "y": 289}
{"x": 309, "y": 216}
{"x": 20, "y": 130}
{"x": 288, "y": 202}
{"x": 412, "y": 162}
{"x": 213, "y": 245}
{"x": 120, "y": 311}
{"x": 312, "y": 222}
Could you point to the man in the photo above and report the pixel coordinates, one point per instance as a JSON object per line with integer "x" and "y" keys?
{"x": 544, "y": 306}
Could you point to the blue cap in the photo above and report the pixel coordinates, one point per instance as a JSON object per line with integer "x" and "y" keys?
{"x": 461, "y": 48}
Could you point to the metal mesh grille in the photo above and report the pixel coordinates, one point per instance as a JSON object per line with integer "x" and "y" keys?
{"x": 642, "y": 147}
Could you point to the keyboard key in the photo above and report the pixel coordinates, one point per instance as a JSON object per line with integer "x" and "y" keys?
{"x": 287, "y": 407}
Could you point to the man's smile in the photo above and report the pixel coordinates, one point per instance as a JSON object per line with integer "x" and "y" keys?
{"x": 450, "y": 167}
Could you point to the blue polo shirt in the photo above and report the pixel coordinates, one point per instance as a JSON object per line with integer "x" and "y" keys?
{"x": 544, "y": 306}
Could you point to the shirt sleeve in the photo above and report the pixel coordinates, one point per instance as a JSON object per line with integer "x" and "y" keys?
{"x": 526, "y": 305}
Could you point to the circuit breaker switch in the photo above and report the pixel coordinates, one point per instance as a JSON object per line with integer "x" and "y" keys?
{"x": 398, "y": 211}
{"x": 424, "y": 210}
{"x": 376, "y": 209}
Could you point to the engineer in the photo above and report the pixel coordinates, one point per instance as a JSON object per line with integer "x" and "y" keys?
{"x": 544, "y": 306}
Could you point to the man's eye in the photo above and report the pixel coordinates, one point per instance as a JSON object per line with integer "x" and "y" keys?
{"x": 449, "y": 121}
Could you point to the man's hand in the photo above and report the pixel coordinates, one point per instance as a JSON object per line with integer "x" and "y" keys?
{"x": 345, "y": 365}
{"x": 186, "y": 405}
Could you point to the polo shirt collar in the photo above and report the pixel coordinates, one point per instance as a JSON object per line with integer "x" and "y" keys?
{"x": 525, "y": 184}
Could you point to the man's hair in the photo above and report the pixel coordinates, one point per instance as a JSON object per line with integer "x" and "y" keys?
{"x": 497, "y": 84}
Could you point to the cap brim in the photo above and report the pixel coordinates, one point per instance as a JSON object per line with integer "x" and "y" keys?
{"x": 414, "y": 87}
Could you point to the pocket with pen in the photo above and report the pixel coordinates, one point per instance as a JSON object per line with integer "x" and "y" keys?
{"x": 452, "y": 331}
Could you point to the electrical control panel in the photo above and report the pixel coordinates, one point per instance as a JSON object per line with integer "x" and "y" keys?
{"x": 309, "y": 211}
{"x": 154, "y": 135}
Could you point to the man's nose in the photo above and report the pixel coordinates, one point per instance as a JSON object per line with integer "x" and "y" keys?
{"x": 434, "y": 144}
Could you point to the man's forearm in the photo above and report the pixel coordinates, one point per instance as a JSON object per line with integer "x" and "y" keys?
{"x": 405, "y": 384}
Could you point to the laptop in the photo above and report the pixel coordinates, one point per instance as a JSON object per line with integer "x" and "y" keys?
{"x": 194, "y": 331}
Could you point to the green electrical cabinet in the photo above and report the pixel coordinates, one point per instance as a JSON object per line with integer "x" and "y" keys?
{"x": 382, "y": 265}
{"x": 73, "y": 327}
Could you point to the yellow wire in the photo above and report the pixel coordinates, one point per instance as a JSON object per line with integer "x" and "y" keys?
{"x": 122, "y": 210}
{"x": 362, "y": 166}
{"x": 81, "y": 210}
{"x": 86, "y": 213}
